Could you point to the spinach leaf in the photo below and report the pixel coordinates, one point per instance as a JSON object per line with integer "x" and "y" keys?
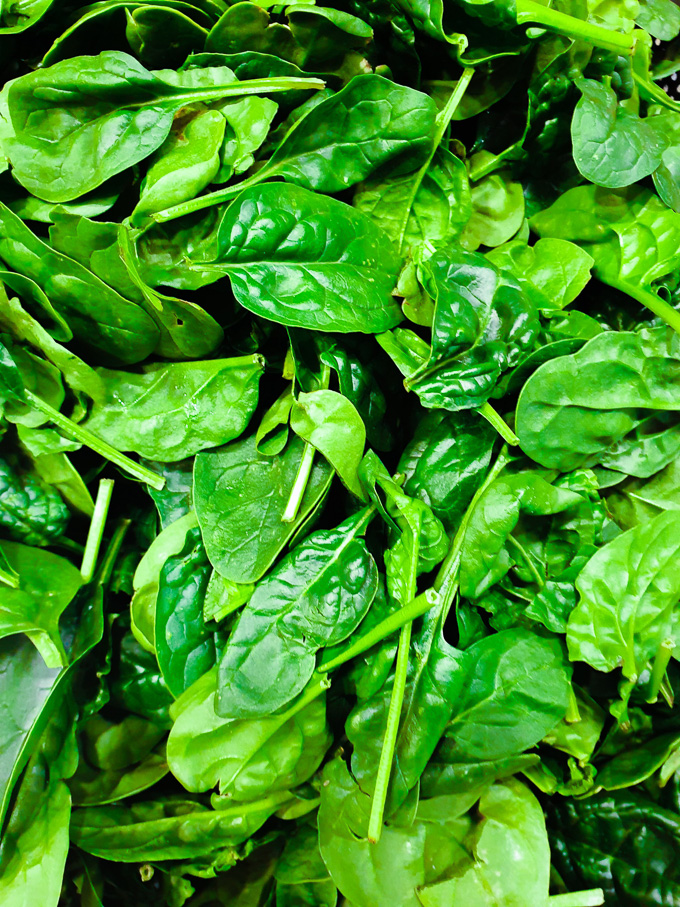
{"x": 573, "y": 412}
{"x": 170, "y": 412}
{"x": 249, "y": 757}
{"x": 628, "y": 591}
{"x": 100, "y": 318}
{"x": 342, "y": 258}
{"x": 238, "y": 480}
{"x": 82, "y": 100}
{"x": 315, "y": 597}
{"x": 185, "y": 647}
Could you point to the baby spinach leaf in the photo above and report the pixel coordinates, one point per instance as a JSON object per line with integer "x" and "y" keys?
{"x": 511, "y": 832}
{"x": 185, "y": 647}
{"x": 330, "y": 423}
{"x": 301, "y": 874}
{"x": 26, "y": 683}
{"x": 250, "y": 757}
{"x": 628, "y": 591}
{"x": 481, "y": 324}
{"x": 169, "y": 830}
{"x": 613, "y": 147}
{"x": 47, "y": 584}
{"x": 68, "y": 156}
{"x": 386, "y": 873}
{"x": 446, "y": 461}
{"x": 573, "y": 409}
{"x": 100, "y": 318}
{"x": 240, "y": 498}
{"x": 170, "y": 412}
{"x": 414, "y": 212}
{"x": 435, "y": 681}
{"x": 315, "y": 597}
{"x": 30, "y": 510}
{"x": 370, "y": 123}
{"x": 552, "y": 272}
{"x": 185, "y": 163}
{"x": 622, "y": 841}
{"x": 342, "y": 258}
{"x": 503, "y": 709}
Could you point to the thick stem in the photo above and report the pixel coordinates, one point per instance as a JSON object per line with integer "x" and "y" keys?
{"x": 650, "y": 300}
{"x": 300, "y": 484}
{"x": 96, "y": 530}
{"x": 390, "y": 741}
{"x": 503, "y": 429}
{"x": 85, "y": 436}
{"x": 592, "y": 898}
{"x": 661, "y": 660}
{"x": 653, "y": 92}
{"x": 573, "y": 715}
{"x": 441, "y": 125}
{"x": 414, "y": 609}
{"x": 531, "y": 13}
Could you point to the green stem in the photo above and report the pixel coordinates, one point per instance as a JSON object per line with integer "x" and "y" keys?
{"x": 531, "y": 13}
{"x": 390, "y": 741}
{"x": 524, "y": 554}
{"x": 96, "y": 530}
{"x": 211, "y": 198}
{"x": 592, "y": 898}
{"x": 446, "y": 582}
{"x": 8, "y": 575}
{"x": 661, "y": 660}
{"x": 305, "y": 467}
{"x": 420, "y": 605}
{"x": 573, "y": 715}
{"x": 8, "y": 579}
{"x": 441, "y": 125}
{"x": 653, "y": 92}
{"x": 300, "y": 484}
{"x": 114, "y": 546}
{"x": 650, "y": 300}
{"x": 237, "y": 89}
{"x": 503, "y": 429}
{"x": 85, "y": 436}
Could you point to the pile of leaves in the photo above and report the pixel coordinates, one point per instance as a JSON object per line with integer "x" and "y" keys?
{"x": 340, "y": 466}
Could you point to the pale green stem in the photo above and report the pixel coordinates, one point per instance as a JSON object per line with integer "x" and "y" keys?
{"x": 390, "y": 741}
{"x": 531, "y": 13}
{"x": 414, "y": 609}
{"x": 114, "y": 546}
{"x": 573, "y": 715}
{"x": 300, "y": 484}
{"x": 654, "y": 303}
{"x": 305, "y": 468}
{"x": 592, "y": 898}
{"x": 661, "y": 660}
{"x": 85, "y": 436}
{"x": 211, "y": 198}
{"x": 8, "y": 579}
{"x": 441, "y": 125}
{"x": 503, "y": 429}
{"x": 96, "y": 530}
{"x": 524, "y": 554}
{"x": 656, "y": 93}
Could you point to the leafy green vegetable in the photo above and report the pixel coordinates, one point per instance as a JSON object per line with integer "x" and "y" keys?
{"x": 339, "y": 483}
